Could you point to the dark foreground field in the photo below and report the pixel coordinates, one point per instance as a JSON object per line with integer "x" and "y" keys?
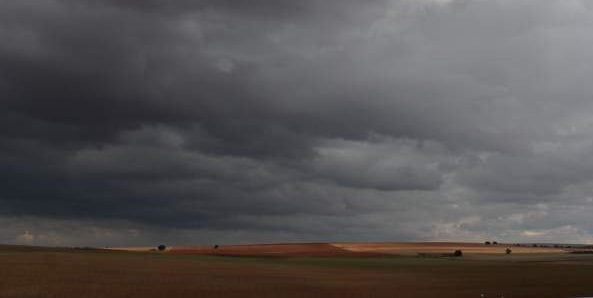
{"x": 78, "y": 273}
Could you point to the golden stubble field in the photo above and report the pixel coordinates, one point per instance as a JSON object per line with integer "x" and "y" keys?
{"x": 26, "y": 272}
{"x": 413, "y": 248}
{"x": 359, "y": 249}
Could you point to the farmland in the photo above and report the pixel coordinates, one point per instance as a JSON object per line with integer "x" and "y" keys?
{"x": 361, "y": 249}
{"x": 295, "y": 270}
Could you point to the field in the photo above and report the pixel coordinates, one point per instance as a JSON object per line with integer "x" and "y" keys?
{"x": 360, "y": 249}
{"x": 296, "y": 270}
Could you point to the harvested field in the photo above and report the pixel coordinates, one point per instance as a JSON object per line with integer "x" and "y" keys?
{"x": 413, "y": 248}
{"x": 67, "y": 273}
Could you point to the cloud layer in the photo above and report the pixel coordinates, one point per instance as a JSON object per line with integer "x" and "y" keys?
{"x": 200, "y": 121}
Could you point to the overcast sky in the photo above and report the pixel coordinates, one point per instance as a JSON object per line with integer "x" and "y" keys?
{"x": 219, "y": 121}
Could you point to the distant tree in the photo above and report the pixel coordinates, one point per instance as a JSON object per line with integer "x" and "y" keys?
{"x": 161, "y": 247}
{"x": 508, "y": 251}
{"x": 494, "y": 242}
{"x": 216, "y": 246}
{"x": 487, "y": 242}
{"x": 534, "y": 245}
{"x": 458, "y": 253}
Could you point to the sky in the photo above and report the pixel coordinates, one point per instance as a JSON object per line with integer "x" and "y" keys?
{"x": 219, "y": 121}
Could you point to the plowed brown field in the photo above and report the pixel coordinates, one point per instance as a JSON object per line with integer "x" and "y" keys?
{"x": 89, "y": 275}
{"x": 66, "y": 273}
{"x": 271, "y": 250}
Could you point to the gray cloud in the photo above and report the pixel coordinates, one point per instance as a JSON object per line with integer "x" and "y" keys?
{"x": 283, "y": 120}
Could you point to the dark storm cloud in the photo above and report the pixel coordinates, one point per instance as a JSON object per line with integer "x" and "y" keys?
{"x": 302, "y": 120}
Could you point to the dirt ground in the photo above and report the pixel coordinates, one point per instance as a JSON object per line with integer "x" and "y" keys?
{"x": 81, "y": 273}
